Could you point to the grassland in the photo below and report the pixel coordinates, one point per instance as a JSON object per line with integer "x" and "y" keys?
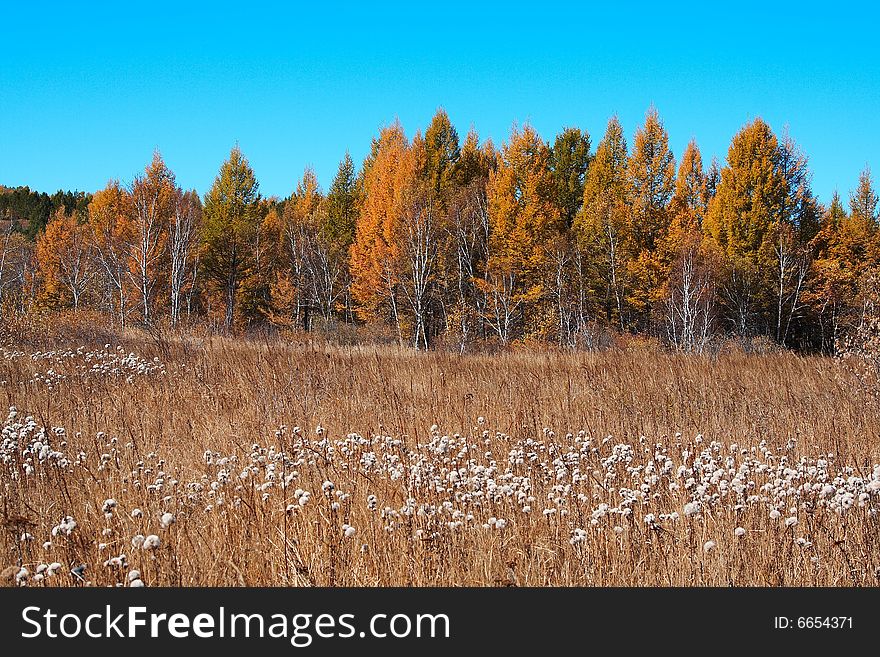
{"x": 196, "y": 460}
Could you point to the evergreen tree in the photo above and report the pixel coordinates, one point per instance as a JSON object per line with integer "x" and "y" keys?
{"x": 441, "y": 154}
{"x": 342, "y": 205}
{"x": 569, "y": 159}
{"x": 230, "y": 221}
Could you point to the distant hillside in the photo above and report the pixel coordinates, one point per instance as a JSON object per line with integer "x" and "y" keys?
{"x": 29, "y": 211}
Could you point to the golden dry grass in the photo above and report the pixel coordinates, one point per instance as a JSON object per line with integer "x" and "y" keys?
{"x": 569, "y": 469}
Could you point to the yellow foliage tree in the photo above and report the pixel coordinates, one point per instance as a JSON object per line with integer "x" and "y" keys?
{"x": 153, "y": 197}
{"x": 525, "y": 226}
{"x": 110, "y": 220}
{"x": 651, "y": 178}
{"x": 602, "y": 226}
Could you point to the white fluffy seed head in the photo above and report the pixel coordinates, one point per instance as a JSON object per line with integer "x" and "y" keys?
{"x": 151, "y": 542}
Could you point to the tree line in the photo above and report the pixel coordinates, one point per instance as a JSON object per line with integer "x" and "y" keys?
{"x": 28, "y": 212}
{"x": 439, "y": 240}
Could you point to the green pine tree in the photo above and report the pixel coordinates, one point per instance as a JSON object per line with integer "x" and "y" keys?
{"x": 231, "y": 220}
{"x": 569, "y": 160}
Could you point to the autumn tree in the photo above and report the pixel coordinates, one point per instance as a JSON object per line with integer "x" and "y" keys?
{"x": 651, "y": 175}
{"x": 651, "y": 179}
{"x": 254, "y": 299}
{"x": 844, "y": 271}
{"x": 524, "y": 228}
{"x": 603, "y": 229}
{"x": 152, "y": 195}
{"x": 304, "y": 252}
{"x": 64, "y": 257}
{"x": 420, "y": 209}
{"x": 394, "y": 258}
{"x": 691, "y": 198}
{"x": 833, "y": 282}
{"x": 17, "y": 271}
{"x": 863, "y": 200}
{"x": 111, "y": 222}
{"x": 747, "y": 198}
{"x": 433, "y": 186}
{"x": 689, "y": 290}
{"x": 374, "y": 251}
{"x": 740, "y": 217}
{"x": 266, "y": 292}
{"x": 230, "y": 222}
{"x": 786, "y": 246}
{"x": 686, "y": 263}
{"x": 467, "y": 228}
{"x": 183, "y": 230}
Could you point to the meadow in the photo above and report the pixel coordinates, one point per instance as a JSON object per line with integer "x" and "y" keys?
{"x": 144, "y": 459}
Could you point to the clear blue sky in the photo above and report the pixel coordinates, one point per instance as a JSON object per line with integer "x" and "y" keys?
{"x": 87, "y": 93}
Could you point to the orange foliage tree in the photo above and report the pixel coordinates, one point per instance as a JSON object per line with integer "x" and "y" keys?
{"x": 110, "y": 220}
{"x": 525, "y": 226}
{"x": 153, "y": 196}
{"x": 64, "y": 254}
{"x": 375, "y": 248}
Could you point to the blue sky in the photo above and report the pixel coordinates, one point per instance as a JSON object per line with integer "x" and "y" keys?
{"x": 87, "y": 93}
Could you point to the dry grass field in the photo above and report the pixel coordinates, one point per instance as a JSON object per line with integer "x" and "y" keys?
{"x": 211, "y": 461}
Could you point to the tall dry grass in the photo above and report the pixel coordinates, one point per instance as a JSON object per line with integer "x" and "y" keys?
{"x": 307, "y": 464}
